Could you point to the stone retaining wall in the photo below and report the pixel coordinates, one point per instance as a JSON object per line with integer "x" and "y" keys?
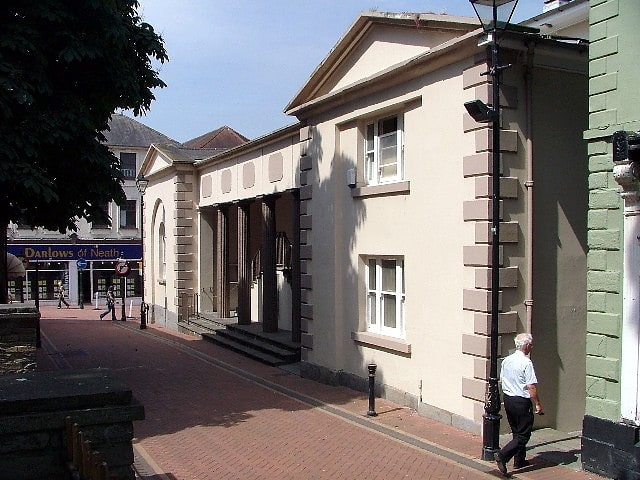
{"x": 19, "y": 331}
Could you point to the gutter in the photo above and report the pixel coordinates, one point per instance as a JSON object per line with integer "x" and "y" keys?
{"x": 528, "y": 302}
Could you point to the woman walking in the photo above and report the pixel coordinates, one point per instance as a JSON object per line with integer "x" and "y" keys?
{"x": 111, "y": 304}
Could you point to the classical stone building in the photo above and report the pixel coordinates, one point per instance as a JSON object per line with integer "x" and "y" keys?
{"x": 363, "y": 230}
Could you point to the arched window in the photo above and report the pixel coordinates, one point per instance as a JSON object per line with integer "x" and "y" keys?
{"x": 162, "y": 249}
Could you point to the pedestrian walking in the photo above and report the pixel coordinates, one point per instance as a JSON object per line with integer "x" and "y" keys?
{"x": 519, "y": 386}
{"x": 61, "y": 299}
{"x": 111, "y": 304}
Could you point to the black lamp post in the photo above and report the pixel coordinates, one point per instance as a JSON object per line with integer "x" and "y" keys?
{"x": 494, "y": 15}
{"x": 142, "y": 182}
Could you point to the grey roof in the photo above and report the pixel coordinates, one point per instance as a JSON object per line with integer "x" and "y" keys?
{"x": 125, "y": 131}
{"x": 188, "y": 155}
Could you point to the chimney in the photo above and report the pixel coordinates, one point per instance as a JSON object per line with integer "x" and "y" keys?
{"x": 551, "y": 4}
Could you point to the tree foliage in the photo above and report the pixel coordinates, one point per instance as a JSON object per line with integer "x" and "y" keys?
{"x": 65, "y": 67}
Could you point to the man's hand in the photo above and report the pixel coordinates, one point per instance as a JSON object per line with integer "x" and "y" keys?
{"x": 533, "y": 391}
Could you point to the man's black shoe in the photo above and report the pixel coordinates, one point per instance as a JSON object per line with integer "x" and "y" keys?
{"x": 521, "y": 464}
{"x": 501, "y": 465}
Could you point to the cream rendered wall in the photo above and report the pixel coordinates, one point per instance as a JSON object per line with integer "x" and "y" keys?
{"x": 426, "y": 227}
{"x": 159, "y": 195}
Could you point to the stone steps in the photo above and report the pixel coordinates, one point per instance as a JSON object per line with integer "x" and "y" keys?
{"x": 270, "y": 348}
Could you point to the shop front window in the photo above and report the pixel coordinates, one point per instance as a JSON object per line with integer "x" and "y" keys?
{"x": 49, "y": 276}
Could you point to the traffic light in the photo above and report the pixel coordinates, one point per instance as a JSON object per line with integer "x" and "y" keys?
{"x": 626, "y": 146}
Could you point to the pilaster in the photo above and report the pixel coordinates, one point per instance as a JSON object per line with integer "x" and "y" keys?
{"x": 306, "y": 241}
{"x": 478, "y": 210}
{"x": 184, "y": 242}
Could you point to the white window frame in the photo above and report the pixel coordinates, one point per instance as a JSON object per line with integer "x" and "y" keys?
{"x": 375, "y": 297}
{"x": 373, "y": 144}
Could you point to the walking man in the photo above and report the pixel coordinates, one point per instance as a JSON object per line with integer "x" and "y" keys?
{"x": 61, "y": 299}
{"x": 519, "y": 386}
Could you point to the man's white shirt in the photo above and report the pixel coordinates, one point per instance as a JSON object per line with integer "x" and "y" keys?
{"x": 516, "y": 373}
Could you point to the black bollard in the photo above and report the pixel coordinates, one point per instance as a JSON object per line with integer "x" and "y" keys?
{"x": 372, "y": 390}
{"x": 144, "y": 308}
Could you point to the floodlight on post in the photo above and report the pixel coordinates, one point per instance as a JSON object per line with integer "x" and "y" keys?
{"x": 480, "y": 111}
{"x": 142, "y": 183}
{"x": 494, "y": 15}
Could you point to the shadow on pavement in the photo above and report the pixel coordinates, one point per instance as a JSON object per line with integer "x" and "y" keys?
{"x": 183, "y": 382}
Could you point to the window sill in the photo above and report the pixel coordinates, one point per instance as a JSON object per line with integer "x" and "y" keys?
{"x": 382, "y": 341}
{"x": 397, "y": 188}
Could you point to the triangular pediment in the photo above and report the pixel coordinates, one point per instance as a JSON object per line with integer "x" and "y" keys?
{"x": 155, "y": 161}
{"x": 375, "y": 42}
{"x": 159, "y": 162}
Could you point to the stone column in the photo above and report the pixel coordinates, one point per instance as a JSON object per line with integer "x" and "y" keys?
{"x": 268, "y": 257}
{"x": 222, "y": 263}
{"x": 244, "y": 265}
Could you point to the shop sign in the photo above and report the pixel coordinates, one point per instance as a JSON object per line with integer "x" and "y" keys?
{"x": 75, "y": 252}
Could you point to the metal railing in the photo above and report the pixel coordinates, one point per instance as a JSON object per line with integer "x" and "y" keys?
{"x": 283, "y": 251}
{"x": 256, "y": 267}
{"x": 188, "y": 306}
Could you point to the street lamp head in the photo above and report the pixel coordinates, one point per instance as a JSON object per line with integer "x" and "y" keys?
{"x": 494, "y": 14}
{"x": 142, "y": 182}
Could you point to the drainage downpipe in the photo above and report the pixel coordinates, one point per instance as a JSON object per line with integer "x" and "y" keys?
{"x": 528, "y": 303}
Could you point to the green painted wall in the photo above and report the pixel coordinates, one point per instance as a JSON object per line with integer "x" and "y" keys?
{"x": 614, "y": 104}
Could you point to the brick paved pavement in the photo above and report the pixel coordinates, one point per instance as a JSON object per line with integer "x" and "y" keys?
{"x": 213, "y": 414}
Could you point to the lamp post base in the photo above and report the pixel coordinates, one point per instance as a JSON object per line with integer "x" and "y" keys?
{"x": 490, "y": 435}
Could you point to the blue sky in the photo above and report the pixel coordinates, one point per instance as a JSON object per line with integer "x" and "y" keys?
{"x": 239, "y": 63}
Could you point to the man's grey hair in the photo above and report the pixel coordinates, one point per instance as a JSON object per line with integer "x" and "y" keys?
{"x": 522, "y": 339}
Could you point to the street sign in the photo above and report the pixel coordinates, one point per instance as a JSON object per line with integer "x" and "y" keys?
{"x": 81, "y": 263}
{"x": 122, "y": 268}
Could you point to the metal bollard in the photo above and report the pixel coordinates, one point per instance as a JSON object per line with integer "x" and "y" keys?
{"x": 144, "y": 308}
{"x": 372, "y": 390}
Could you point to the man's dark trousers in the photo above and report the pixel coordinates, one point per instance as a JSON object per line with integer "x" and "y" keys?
{"x": 520, "y": 416}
